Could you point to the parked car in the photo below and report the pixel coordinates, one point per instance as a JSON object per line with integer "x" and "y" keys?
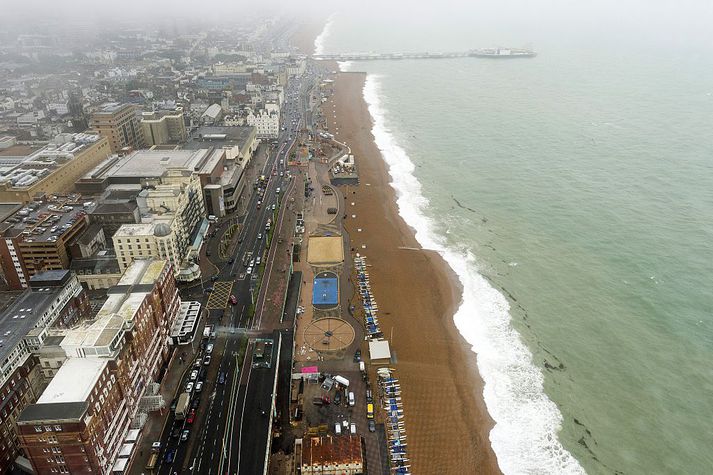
{"x": 191, "y": 416}
{"x": 372, "y": 425}
{"x": 194, "y": 374}
{"x": 352, "y": 401}
{"x": 259, "y": 236}
{"x": 209, "y": 348}
{"x": 196, "y": 402}
{"x": 352, "y": 428}
{"x": 357, "y": 356}
{"x": 184, "y": 435}
{"x": 206, "y": 361}
{"x": 199, "y": 386}
{"x": 249, "y": 270}
{"x": 189, "y": 387}
{"x": 274, "y": 207}
{"x": 176, "y": 433}
{"x": 258, "y": 260}
{"x": 338, "y": 398}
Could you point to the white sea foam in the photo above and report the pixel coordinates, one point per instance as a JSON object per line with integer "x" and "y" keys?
{"x": 526, "y": 421}
{"x": 326, "y": 31}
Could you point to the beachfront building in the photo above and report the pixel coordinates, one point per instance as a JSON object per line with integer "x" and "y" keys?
{"x": 266, "y": 121}
{"x": 119, "y": 123}
{"x": 52, "y": 169}
{"x": 81, "y": 421}
{"x": 330, "y": 455}
{"x": 172, "y": 218}
{"x": 53, "y": 300}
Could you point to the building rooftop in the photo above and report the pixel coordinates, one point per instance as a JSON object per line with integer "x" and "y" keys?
{"x": 206, "y": 137}
{"x": 25, "y": 171}
{"x": 147, "y": 164}
{"x": 54, "y": 412}
{"x": 328, "y": 450}
{"x": 25, "y": 312}
{"x": 111, "y": 108}
{"x": 74, "y": 381}
{"x": 47, "y": 220}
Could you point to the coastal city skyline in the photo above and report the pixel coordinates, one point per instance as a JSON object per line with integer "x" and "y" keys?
{"x": 341, "y": 237}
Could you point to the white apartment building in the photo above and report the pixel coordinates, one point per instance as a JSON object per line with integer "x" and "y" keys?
{"x": 266, "y": 121}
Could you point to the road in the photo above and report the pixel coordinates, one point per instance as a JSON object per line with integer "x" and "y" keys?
{"x": 230, "y": 432}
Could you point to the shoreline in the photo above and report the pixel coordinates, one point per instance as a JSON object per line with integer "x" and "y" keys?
{"x": 418, "y": 294}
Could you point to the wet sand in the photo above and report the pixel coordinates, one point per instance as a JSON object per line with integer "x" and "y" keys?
{"x": 446, "y": 419}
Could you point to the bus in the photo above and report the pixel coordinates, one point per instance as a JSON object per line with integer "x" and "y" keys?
{"x": 153, "y": 460}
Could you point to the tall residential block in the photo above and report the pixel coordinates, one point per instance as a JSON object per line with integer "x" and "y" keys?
{"x": 163, "y": 127}
{"x": 107, "y": 385}
{"x": 120, "y": 124}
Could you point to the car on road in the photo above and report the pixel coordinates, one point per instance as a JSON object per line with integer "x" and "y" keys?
{"x": 231, "y": 260}
{"x": 259, "y": 236}
{"x": 176, "y": 433}
{"x": 337, "y": 429}
{"x": 184, "y": 435}
{"x": 173, "y": 404}
{"x": 208, "y": 290}
{"x": 372, "y": 425}
{"x": 257, "y": 261}
{"x": 212, "y": 335}
{"x": 357, "y": 356}
{"x": 199, "y": 386}
{"x": 370, "y": 411}
{"x": 206, "y": 361}
{"x": 209, "y": 348}
{"x": 196, "y": 402}
{"x": 352, "y": 428}
{"x": 252, "y": 262}
{"x": 189, "y": 387}
{"x": 194, "y": 374}
{"x": 221, "y": 377}
{"x": 191, "y": 416}
{"x": 249, "y": 271}
{"x": 233, "y": 300}
{"x": 277, "y": 190}
{"x": 170, "y": 455}
{"x": 274, "y": 207}
{"x": 352, "y": 400}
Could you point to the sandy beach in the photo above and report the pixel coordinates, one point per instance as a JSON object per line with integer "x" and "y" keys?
{"x": 446, "y": 418}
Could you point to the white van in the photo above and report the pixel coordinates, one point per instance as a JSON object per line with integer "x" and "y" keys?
{"x": 337, "y": 429}
{"x": 352, "y": 401}
{"x": 353, "y": 428}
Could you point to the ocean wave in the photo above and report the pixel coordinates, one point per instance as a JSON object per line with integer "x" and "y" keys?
{"x": 524, "y": 437}
{"x": 326, "y": 31}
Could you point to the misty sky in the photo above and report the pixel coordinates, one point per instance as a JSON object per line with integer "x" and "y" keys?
{"x": 679, "y": 22}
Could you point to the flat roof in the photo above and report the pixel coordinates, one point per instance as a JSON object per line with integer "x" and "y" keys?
{"x": 48, "y": 220}
{"x": 219, "y": 136}
{"x": 74, "y": 381}
{"x": 379, "y": 350}
{"x": 149, "y": 164}
{"x": 23, "y": 315}
{"x": 53, "y": 412}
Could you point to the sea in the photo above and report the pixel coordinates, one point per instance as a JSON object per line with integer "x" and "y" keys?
{"x": 572, "y": 193}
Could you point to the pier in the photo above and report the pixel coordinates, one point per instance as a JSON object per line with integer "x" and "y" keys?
{"x": 474, "y": 53}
